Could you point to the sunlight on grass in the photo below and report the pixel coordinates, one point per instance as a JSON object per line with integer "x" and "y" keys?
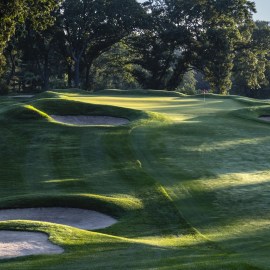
{"x": 240, "y": 229}
{"x": 236, "y": 180}
{"x": 43, "y": 114}
{"x": 62, "y": 180}
{"x": 227, "y": 144}
{"x": 172, "y": 241}
{"x": 126, "y": 201}
{"x": 178, "y": 109}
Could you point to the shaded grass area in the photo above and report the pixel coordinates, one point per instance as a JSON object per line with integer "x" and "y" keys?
{"x": 188, "y": 181}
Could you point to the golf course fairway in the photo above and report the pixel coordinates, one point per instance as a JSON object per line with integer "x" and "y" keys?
{"x": 187, "y": 178}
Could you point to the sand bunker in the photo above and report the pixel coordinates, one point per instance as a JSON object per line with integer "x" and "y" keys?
{"x": 15, "y": 244}
{"x": 90, "y": 120}
{"x": 80, "y": 218}
{"x": 265, "y": 118}
{"x": 22, "y": 96}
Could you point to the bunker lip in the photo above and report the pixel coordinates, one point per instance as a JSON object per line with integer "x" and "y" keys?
{"x": 16, "y": 244}
{"x": 90, "y": 120}
{"x": 75, "y": 217}
{"x": 265, "y": 117}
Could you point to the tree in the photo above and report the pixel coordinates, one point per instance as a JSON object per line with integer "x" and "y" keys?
{"x": 34, "y": 53}
{"x": 228, "y": 27}
{"x": 166, "y": 39}
{"x": 39, "y": 50}
{"x": 188, "y": 84}
{"x": 251, "y": 70}
{"x": 193, "y": 34}
{"x": 13, "y": 12}
{"x": 91, "y": 27}
{"x": 160, "y": 52}
{"x": 113, "y": 69}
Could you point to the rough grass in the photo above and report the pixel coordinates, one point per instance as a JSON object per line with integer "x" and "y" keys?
{"x": 187, "y": 179}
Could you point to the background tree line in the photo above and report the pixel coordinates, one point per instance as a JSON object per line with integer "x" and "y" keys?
{"x": 160, "y": 44}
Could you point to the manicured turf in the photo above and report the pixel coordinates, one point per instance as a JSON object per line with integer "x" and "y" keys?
{"x": 188, "y": 179}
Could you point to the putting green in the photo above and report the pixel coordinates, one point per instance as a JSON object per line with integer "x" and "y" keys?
{"x": 188, "y": 179}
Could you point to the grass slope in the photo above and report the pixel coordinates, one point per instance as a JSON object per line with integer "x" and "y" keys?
{"x": 187, "y": 179}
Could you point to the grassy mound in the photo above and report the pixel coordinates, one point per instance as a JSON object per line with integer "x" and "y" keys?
{"x": 24, "y": 112}
{"x": 139, "y": 92}
{"x": 67, "y": 107}
{"x": 253, "y": 113}
{"x": 116, "y": 206}
{"x": 43, "y": 108}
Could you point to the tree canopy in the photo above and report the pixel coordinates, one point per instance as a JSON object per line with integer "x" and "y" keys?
{"x": 187, "y": 34}
{"x": 90, "y": 27}
{"x": 13, "y": 12}
{"x": 159, "y": 44}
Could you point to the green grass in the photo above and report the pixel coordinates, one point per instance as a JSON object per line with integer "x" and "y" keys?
{"x": 188, "y": 179}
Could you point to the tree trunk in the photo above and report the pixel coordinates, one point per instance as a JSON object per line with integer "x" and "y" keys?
{"x": 46, "y": 73}
{"x": 13, "y": 68}
{"x": 69, "y": 73}
{"x": 88, "y": 78}
{"x": 87, "y": 75}
{"x": 77, "y": 72}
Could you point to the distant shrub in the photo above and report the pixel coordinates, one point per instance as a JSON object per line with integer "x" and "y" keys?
{"x": 3, "y": 88}
{"x": 188, "y": 85}
{"x": 57, "y": 83}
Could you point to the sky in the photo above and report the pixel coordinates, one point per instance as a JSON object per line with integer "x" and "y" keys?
{"x": 263, "y": 9}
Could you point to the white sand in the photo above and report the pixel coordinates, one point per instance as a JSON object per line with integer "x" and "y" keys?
{"x": 16, "y": 244}
{"x": 265, "y": 118}
{"x": 80, "y": 218}
{"x": 90, "y": 120}
{"x": 22, "y": 96}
